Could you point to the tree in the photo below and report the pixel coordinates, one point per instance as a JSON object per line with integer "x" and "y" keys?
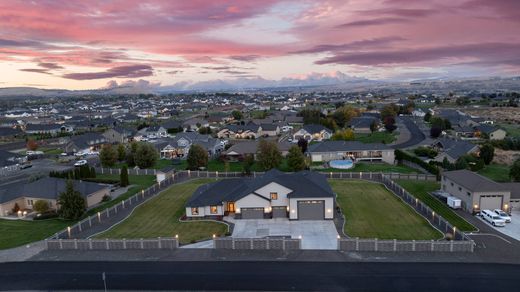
{"x": 389, "y": 110}
{"x": 295, "y": 159}
{"x": 373, "y": 126}
{"x": 205, "y": 131}
{"x": 123, "y": 177}
{"x": 344, "y": 114}
{"x": 311, "y": 116}
{"x": 427, "y": 117}
{"x": 344, "y": 135}
{"x": 514, "y": 171}
{"x": 487, "y": 152}
{"x": 237, "y": 115}
{"x": 41, "y": 206}
{"x": 108, "y": 156}
{"x": 435, "y": 132}
{"x": 131, "y": 154}
{"x": 197, "y": 157}
{"x": 72, "y": 204}
{"x": 145, "y": 156}
{"x": 303, "y": 144}
{"x": 389, "y": 122}
{"x": 32, "y": 145}
{"x": 16, "y": 208}
{"x": 461, "y": 163}
{"x": 247, "y": 164}
{"x": 268, "y": 155}
{"x": 121, "y": 152}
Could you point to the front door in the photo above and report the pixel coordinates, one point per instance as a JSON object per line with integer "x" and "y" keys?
{"x": 231, "y": 207}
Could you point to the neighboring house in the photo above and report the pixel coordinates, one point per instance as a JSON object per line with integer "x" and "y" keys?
{"x": 361, "y": 125}
{"x": 238, "y": 151}
{"x": 52, "y": 129}
{"x": 333, "y": 150}
{"x": 269, "y": 130}
{"x": 418, "y": 113}
{"x": 173, "y": 126}
{"x": 85, "y": 143}
{"x": 515, "y": 195}
{"x": 164, "y": 173}
{"x": 475, "y": 191}
{"x": 453, "y": 149}
{"x": 303, "y": 195}
{"x": 313, "y": 132}
{"x": 154, "y": 131}
{"x": 10, "y": 161}
{"x": 194, "y": 124}
{"x": 247, "y": 131}
{"x": 490, "y": 132}
{"x": 118, "y": 135}
{"x": 179, "y": 146}
{"x": 47, "y": 189}
{"x": 9, "y": 133}
{"x": 294, "y": 120}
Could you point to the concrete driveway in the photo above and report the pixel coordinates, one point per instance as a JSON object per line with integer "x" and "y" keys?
{"x": 511, "y": 229}
{"x": 315, "y": 234}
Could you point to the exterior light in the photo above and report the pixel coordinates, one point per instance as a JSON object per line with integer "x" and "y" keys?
{"x": 475, "y": 206}
{"x": 177, "y": 236}
{"x": 288, "y": 208}
{"x": 300, "y": 237}
{"x": 214, "y": 235}
{"x": 293, "y": 211}
{"x": 339, "y": 237}
{"x": 329, "y": 210}
{"x": 506, "y": 206}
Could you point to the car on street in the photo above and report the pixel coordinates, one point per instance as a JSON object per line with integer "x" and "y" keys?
{"x": 81, "y": 162}
{"x": 493, "y": 218}
{"x": 503, "y": 215}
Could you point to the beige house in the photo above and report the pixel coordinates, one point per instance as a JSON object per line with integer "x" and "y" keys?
{"x": 47, "y": 189}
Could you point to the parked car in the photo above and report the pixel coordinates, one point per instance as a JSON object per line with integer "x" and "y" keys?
{"x": 25, "y": 165}
{"x": 503, "y": 215}
{"x": 81, "y": 162}
{"x": 492, "y": 218}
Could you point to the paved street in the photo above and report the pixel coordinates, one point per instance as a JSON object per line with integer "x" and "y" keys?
{"x": 416, "y": 135}
{"x": 259, "y": 276}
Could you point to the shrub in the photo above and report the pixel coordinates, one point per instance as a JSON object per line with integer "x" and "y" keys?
{"x": 46, "y": 215}
{"x": 106, "y": 198}
{"x": 41, "y": 206}
{"x": 430, "y": 167}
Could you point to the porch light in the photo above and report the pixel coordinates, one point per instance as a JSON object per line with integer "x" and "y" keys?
{"x": 329, "y": 210}
{"x": 288, "y": 208}
{"x": 338, "y": 237}
{"x": 475, "y": 206}
{"x": 505, "y": 207}
{"x": 177, "y": 236}
{"x": 293, "y": 211}
{"x": 214, "y": 235}
{"x": 300, "y": 237}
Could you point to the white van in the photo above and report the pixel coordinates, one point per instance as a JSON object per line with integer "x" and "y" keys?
{"x": 493, "y": 218}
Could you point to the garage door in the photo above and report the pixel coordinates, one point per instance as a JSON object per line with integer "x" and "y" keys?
{"x": 490, "y": 202}
{"x": 252, "y": 213}
{"x": 280, "y": 212}
{"x": 311, "y": 210}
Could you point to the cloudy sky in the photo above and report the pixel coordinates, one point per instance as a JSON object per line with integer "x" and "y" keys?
{"x": 93, "y": 44}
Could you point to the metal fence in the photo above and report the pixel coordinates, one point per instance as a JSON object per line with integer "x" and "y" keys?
{"x": 376, "y": 245}
{"x": 131, "y": 171}
{"x": 257, "y": 243}
{"x": 111, "y": 244}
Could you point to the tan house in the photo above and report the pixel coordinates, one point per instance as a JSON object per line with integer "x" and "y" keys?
{"x": 47, "y": 189}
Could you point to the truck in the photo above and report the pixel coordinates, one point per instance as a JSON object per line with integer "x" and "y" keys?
{"x": 454, "y": 202}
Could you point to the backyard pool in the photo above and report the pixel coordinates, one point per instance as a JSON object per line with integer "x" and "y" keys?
{"x": 341, "y": 164}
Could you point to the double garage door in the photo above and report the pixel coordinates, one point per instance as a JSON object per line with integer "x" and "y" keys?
{"x": 311, "y": 210}
{"x": 252, "y": 213}
{"x": 490, "y": 202}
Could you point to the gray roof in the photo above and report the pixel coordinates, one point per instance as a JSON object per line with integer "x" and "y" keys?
{"x": 250, "y": 147}
{"x": 455, "y": 148}
{"x": 362, "y": 122}
{"x": 474, "y": 182}
{"x": 315, "y": 129}
{"x": 304, "y": 184}
{"x": 46, "y": 188}
{"x": 514, "y": 188}
{"x": 88, "y": 139}
{"x": 332, "y": 146}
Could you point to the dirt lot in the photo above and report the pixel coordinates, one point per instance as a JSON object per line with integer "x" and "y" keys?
{"x": 506, "y": 157}
{"x": 502, "y": 114}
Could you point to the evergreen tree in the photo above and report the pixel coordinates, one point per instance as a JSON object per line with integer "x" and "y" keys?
{"x": 72, "y": 204}
{"x": 295, "y": 159}
{"x": 268, "y": 155}
{"x": 124, "y": 177}
{"x": 108, "y": 156}
{"x": 121, "y": 152}
{"x": 197, "y": 157}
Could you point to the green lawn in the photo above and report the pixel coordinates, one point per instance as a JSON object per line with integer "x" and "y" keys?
{"x": 370, "y": 167}
{"x": 496, "y": 172}
{"x": 512, "y": 130}
{"x": 421, "y": 189}
{"x": 159, "y": 164}
{"x": 17, "y": 232}
{"x": 376, "y": 137}
{"x": 371, "y": 211}
{"x": 160, "y": 217}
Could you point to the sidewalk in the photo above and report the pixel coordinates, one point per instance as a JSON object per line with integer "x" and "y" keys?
{"x": 22, "y": 253}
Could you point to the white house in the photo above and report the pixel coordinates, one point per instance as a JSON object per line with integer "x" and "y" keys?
{"x": 303, "y": 195}
{"x": 313, "y": 133}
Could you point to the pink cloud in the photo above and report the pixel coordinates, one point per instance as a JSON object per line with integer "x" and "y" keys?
{"x": 133, "y": 71}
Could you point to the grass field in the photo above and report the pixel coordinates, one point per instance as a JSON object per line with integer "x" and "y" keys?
{"x": 371, "y": 167}
{"x": 512, "y": 130}
{"x": 496, "y": 172}
{"x": 160, "y": 217}
{"x": 376, "y": 137}
{"x": 371, "y": 211}
{"x": 17, "y": 232}
{"x": 421, "y": 189}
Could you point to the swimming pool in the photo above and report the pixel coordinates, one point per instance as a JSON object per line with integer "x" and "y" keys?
{"x": 341, "y": 164}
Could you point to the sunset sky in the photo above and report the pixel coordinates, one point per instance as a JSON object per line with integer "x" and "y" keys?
{"x": 94, "y": 44}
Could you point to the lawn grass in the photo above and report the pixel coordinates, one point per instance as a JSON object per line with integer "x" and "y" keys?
{"x": 370, "y": 167}
{"x": 371, "y": 211}
{"x": 512, "y": 130}
{"x": 159, "y": 164}
{"x": 159, "y": 217}
{"x": 496, "y": 172}
{"x": 376, "y": 137}
{"x": 19, "y": 232}
{"x": 421, "y": 190}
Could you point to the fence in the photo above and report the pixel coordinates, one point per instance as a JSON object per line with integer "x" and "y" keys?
{"x": 131, "y": 171}
{"x": 111, "y": 244}
{"x": 257, "y": 243}
{"x": 375, "y": 245}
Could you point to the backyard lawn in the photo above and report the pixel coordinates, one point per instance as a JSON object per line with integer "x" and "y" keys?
{"x": 376, "y": 137}
{"x": 512, "y": 130}
{"x": 17, "y": 232}
{"x": 371, "y": 211}
{"x": 421, "y": 190}
{"x": 371, "y": 167}
{"x": 496, "y": 172}
{"x": 160, "y": 217}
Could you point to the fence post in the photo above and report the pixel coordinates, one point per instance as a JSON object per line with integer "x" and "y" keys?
{"x": 159, "y": 242}
{"x": 451, "y": 245}
{"x": 357, "y": 243}
{"x": 90, "y": 243}
{"x": 75, "y": 243}
{"x": 124, "y": 243}
{"x": 413, "y": 245}
{"x": 395, "y": 244}
{"x": 267, "y": 245}
{"x": 90, "y": 221}
{"x": 61, "y": 243}
{"x": 107, "y": 244}
{"x": 142, "y": 244}
{"x": 79, "y": 226}
{"x": 251, "y": 242}
{"x": 432, "y": 245}
{"x": 283, "y": 244}
{"x": 108, "y": 213}
{"x": 375, "y": 244}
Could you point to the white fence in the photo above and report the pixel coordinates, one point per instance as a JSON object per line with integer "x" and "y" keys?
{"x": 377, "y": 245}
{"x": 257, "y": 243}
{"x": 111, "y": 244}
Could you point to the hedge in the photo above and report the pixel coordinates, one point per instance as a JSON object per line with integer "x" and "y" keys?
{"x": 430, "y": 167}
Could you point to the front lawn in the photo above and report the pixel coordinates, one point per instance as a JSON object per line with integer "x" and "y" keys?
{"x": 371, "y": 211}
{"x": 421, "y": 190}
{"x": 19, "y": 232}
{"x": 159, "y": 217}
{"x": 370, "y": 167}
{"x": 376, "y": 137}
{"x": 496, "y": 172}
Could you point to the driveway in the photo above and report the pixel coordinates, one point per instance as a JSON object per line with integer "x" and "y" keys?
{"x": 511, "y": 229}
{"x": 315, "y": 234}
{"x": 415, "y": 134}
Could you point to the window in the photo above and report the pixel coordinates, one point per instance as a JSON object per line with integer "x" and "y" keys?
{"x": 29, "y": 202}
{"x": 451, "y": 184}
{"x": 468, "y": 194}
{"x": 195, "y": 211}
{"x": 50, "y": 204}
{"x": 274, "y": 196}
{"x": 460, "y": 189}
{"x": 213, "y": 209}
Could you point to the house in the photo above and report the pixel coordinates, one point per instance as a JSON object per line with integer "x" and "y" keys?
{"x": 194, "y": 124}
{"x": 490, "y": 132}
{"x": 334, "y": 150}
{"x": 514, "y": 201}
{"x": 313, "y": 132}
{"x": 303, "y": 195}
{"x": 173, "y": 126}
{"x": 453, "y": 149}
{"x": 239, "y": 150}
{"x": 418, "y": 113}
{"x": 52, "y": 129}
{"x": 269, "y": 130}
{"x": 179, "y": 146}
{"x": 247, "y": 131}
{"x": 154, "y": 132}
{"x": 164, "y": 173}
{"x": 118, "y": 135}
{"x": 10, "y": 161}
{"x": 47, "y": 189}
{"x": 475, "y": 191}
{"x": 85, "y": 143}
{"x": 361, "y": 125}
{"x": 10, "y": 133}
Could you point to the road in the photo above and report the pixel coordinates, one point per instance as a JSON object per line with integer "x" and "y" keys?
{"x": 259, "y": 276}
{"x": 416, "y": 134}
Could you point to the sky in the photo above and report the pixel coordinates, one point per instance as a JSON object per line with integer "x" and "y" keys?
{"x": 103, "y": 44}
